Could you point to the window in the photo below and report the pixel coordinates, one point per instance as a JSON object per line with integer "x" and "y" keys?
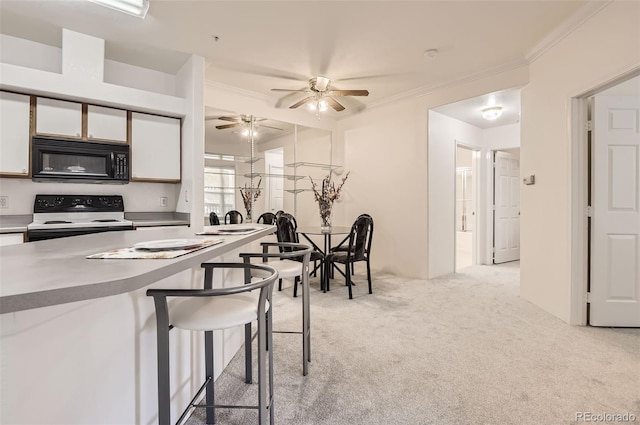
{"x": 219, "y": 190}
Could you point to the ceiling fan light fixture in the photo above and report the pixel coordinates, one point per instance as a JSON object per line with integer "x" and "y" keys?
{"x": 492, "y": 113}
{"x": 137, "y": 8}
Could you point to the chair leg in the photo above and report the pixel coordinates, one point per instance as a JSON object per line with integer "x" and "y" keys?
{"x": 295, "y": 286}
{"x": 306, "y": 325}
{"x": 262, "y": 369}
{"x": 279, "y": 284}
{"x": 327, "y": 275}
{"x": 347, "y": 270}
{"x": 269, "y": 345}
{"x": 208, "y": 361}
{"x": 164, "y": 389}
{"x": 369, "y": 276}
{"x": 248, "y": 371}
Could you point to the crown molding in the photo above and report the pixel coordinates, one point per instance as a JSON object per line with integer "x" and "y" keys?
{"x": 570, "y": 24}
{"x": 427, "y": 90}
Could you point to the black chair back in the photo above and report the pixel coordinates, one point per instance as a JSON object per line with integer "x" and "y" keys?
{"x": 286, "y": 228}
{"x": 267, "y": 218}
{"x": 233, "y": 217}
{"x": 361, "y": 236}
{"x": 213, "y": 219}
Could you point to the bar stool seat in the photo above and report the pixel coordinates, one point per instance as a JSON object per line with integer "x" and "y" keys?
{"x": 203, "y": 314}
{"x": 211, "y": 309}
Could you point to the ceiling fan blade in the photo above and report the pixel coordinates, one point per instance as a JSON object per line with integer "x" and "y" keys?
{"x": 233, "y": 119}
{"x": 222, "y": 127}
{"x": 300, "y": 90}
{"x": 334, "y": 103}
{"x": 302, "y": 102}
{"x": 268, "y": 126}
{"x": 350, "y": 92}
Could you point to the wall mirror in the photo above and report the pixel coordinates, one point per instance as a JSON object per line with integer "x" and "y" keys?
{"x": 268, "y": 161}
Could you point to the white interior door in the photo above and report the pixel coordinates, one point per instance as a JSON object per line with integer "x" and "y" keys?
{"x": 615, "y": 221}
{"x": 506, "y": 219}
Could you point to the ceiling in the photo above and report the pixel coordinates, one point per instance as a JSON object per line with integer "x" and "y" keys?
{"x": 375, "y": 45}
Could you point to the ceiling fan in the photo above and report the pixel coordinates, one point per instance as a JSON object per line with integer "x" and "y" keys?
{"x": 241, "y": 121}
{"x": 321, "y": 95}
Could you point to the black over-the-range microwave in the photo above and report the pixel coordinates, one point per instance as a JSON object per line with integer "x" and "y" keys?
{"x": 67, "y": 160}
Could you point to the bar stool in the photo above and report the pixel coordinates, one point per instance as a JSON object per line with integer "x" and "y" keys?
{"x": 213, "y": 309}
{"x": 287, "y": 262}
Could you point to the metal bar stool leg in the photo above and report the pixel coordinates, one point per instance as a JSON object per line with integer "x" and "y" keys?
{"x": 164, "y": 391}
{"x": 248, "y": 369}
{"x": 208, "y": 361}
{"x": 306, "y": 324}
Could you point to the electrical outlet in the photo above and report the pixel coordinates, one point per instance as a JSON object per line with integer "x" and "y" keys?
{"x": 163, "y": 201}
{"x": 4, "y": 202}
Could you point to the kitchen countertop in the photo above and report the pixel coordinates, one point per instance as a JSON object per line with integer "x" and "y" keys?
{"x": 56, "y": 271}
{"x": 18, "y": 223}
{"x": 15, "y": 223}
{"x": 150, "y": 219}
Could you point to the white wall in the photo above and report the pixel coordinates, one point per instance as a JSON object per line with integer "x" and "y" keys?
{"x": 604, "y": 47}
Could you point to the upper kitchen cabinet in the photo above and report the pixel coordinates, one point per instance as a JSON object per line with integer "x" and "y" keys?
{"x": 58, "y": 118}
{"x": 155, "y": 148}
{"x": 106, "y": 124}
{"x": 14, "y": 134}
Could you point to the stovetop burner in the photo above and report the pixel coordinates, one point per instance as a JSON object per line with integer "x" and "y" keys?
{"x": 105, "y": 220}
{"x": 57, "y": 222}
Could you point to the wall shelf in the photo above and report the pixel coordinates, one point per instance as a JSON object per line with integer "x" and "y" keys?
{"x": 336, "y": 169}
{"x": 286, "y": 176}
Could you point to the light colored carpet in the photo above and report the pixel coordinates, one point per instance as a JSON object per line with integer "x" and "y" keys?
{"x": 464, "y": 349}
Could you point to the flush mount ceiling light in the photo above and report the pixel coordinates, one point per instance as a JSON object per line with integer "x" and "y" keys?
{"x": 492, "y": 112}
{"x": 136, "y": 8}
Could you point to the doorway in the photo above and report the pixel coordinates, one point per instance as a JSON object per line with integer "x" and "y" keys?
{"x": 465, "y": 210}
{"x": 614, "y": 228}
{"x": 606, "y": 150}
{"x": 274, "y": 166}
{"x": 506, "y": 206}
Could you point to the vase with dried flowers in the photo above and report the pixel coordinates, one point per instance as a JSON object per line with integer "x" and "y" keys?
{"x": 326, "y": 197}
{"x": 249, "y": 195}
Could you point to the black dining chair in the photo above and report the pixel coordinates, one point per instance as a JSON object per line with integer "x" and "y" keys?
{"x": 267, "y": 218}
{"x": 286, "y": 233}
{"x": 213, "y": 219}
{"x": 343, "y": 246}
{"x": 233, "y": 217}
{"x": 358, "y": 248}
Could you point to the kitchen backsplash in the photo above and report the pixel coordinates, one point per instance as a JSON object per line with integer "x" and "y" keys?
{"x": 18, "y": 194}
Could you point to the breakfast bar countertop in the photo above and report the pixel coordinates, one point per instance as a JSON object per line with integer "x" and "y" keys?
{"x": 56, "y": 271}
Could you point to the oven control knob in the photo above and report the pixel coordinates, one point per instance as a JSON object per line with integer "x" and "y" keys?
{"x": 58, "y": 200}
{"x": 88, "y": 201}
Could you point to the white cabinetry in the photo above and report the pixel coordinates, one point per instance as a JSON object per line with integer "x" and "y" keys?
{"x": 106, "y": 124}
{"x": 58, "y": 118}
{"x": 155, "y": 148}
{"x": 14, "y": 134}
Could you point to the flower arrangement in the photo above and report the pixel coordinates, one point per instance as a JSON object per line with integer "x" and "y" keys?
{"x": 249, "y": 196}
{"x": 326, "y": 197}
